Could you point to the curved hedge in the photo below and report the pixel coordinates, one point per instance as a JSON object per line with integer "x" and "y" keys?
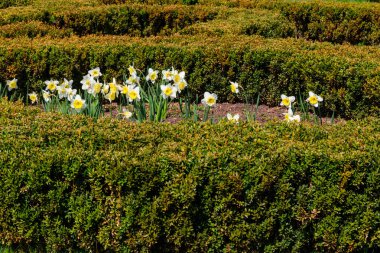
{"x": 69, "y": 183}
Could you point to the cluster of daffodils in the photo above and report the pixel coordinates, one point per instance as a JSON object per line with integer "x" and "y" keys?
{"x": 286, "y": 101}
{"x": 170, "y": 86}
{"x": 234, "y": 86}
{"x": 64, "y": 91}
{"x": 175, "y": 82}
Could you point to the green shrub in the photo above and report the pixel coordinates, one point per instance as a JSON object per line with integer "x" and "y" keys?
{"x": 335, "y": 22}
{"x": 9, "y": 3}
{"x": 70, "y": 183}
{"x": 137, "y": 20}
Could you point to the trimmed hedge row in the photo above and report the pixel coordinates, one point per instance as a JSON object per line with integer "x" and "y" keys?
{"x": 68, "y": 183}
{"x": 355, "y": 23}
{"x": 33, "y": 29}
{"x": 349, "y": 85}
{"x": 137, "y": 20}
{"x": 9, "y": 3}
{"x": 335, "y": 22}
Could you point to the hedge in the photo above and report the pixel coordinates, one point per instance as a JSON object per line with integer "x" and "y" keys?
{"x": 346, "y": 77}
{"x": 9, "y": 3}
{"x": 330, "y": 21}
{"x": 335, "y": 22}
{"x": 69, "y": 183}
{"x": 137, "y": 20}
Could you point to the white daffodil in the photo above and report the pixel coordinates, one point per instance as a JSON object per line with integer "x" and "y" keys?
{"x": 71, "y": 93}
{"x": 111, "y": 96}
{"x": 78, "y": 103}
{"x": 167, "y": 75}
{"x": 33, "y": 97}
{"x": 287, "y": 101}
{"x": 95, "y": 73}
{"x": 124, "y": 89}
{"x": 234, "y": 87}
{"x": 105, "y": 89}
{"x": 61, "y": 92}
{"x": 126, "y": 114}
{"x": 133, "y": 93}
{"x": 46, "y": 95}
{"x": 51, "y": 85}
{"x": 234, "y": 118}
{"x": 168, "y": 91}
{"x": 152, "y": 75}
{"x": 313, "y": 99}
{"x": 95, "y": 88}
{"x": 12, "y": 84}
{"x": 289, "y": 117}
{"x": 209, "y": 99}
{"x": 177, "y": 77}
{"x": 87, "y": 82}
{"x": 132, "y": 71}
{"x": 67, "y": 84}
{"x": 133, "y": 79}
{"x": 181, "y": 85}
{"x": 114, "y": 87}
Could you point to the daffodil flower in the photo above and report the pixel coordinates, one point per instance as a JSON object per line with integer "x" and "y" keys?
{"x": 46, "y": 95}
{"x": 126, "y": 114}
{"x": 289, "y": 116}
{"x": 313, "y": 99}
{"x": 168, "y": 91}
{"x": 234, "y": 87}
{"x": 114, "y": 87}
{"x": 111, "y": 96}
{"x": 71, "y": 93}
{"x": 95, "y": 73}
{"x": 234, "y": 118}
{"x": 132, "y": 71}
{"x": 67, "y": 84}
{"x": 177, "y": 77}
{"x": 95, "y": 88}
{"x": 61, "y": 91}
{"x": 181, "y": 85}
{"x": 51, "y": 85}
{"x": 124, "y": 89}
{"x": 105, "y": 89}
{"x": 209, "y": 99}
{"x": 287, "y": 101}
{"x": 12, "y": 84}
{"x": 133, "y": 79}
{"x": 78, "y": 103}
{"x": 33, "y": 97}
{"x": 133, "y": 93}
{"x": 152, "y": 75}
{"x": 167, "y": 75}
{"x": 87, "y": 82}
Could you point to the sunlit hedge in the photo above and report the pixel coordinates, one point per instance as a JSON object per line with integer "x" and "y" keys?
{"x": 72, "y": 183}
{"x": 10, "y": 3}
{"x": 138, "y": 20}
{"x": 335, "y": 22}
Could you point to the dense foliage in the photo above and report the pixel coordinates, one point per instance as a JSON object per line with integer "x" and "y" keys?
{"x": 69, "y": 183}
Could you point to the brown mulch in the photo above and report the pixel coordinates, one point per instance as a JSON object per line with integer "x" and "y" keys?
{"x": 220, "y": 110}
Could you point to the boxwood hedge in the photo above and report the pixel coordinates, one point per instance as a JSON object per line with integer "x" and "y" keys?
{"x": 69, "y": 183}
